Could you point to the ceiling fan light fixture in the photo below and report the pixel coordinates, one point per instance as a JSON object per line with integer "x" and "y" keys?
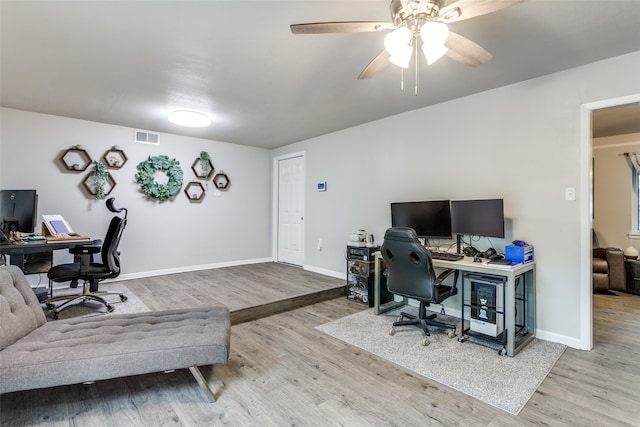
{"x": 434, "y": 33}
{"x": 402, "y": 57}
{"x": 397, "y": 40}
{"x": 187, "y": 118}
{"x": 433, "y": 52}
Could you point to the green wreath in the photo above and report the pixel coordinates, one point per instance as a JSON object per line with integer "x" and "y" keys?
{"x": 146, "y": 177}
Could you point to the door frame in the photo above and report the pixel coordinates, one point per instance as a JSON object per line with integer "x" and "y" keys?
{"x": 586, "y": 209}
{"x": 274, "y": 203}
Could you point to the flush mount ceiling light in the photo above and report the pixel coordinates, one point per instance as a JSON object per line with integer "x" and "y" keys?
{"x": 192, "y": 119}
{"x": 414, "y": 23}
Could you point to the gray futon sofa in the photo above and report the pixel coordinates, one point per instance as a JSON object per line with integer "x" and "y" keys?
{"x": 35, "y": 353}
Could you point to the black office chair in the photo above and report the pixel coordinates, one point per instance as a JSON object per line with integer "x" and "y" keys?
{"x": 91, "y": 273}
{"x": 410, "y": 273}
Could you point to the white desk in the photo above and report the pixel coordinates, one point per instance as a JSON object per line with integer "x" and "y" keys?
{"x": 510, "y": 273}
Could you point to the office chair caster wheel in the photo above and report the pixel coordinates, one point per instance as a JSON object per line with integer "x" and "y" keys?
{"x": 451, "y": 333}
{"x": 502, "y": 351}
{"x": 399, "y": 318}
{"x": 425, "y": 341}
{"x": 123, "y": 298}
{"x": 461, "y": 338}
{"x": 110, "y": 308}
{"x": 392, "y": 330}
{"x": 50, "y": 306}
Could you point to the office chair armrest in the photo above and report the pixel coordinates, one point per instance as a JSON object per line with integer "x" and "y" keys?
{"x": 86, "y": 249}
{"x": 442, "y": 276}
{"x": 85, "y": 253}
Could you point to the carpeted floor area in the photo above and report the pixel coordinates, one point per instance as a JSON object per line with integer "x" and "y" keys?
{"x": 91, "y": 308}
{"x": 478, "y": 371}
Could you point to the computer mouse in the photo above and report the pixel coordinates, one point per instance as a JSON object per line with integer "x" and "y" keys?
{"x": 477, "y": 259}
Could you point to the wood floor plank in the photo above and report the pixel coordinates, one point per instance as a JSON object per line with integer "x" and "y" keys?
{"x": 282, "y": 371}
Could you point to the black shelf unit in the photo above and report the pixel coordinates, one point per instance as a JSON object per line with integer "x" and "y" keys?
{"x": 489, "y": 317}
{"x": 361, "y": 275}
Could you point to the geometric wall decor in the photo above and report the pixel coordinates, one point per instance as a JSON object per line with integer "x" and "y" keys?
{"x": 202, "y": 166}
{"x": 221, "y": 181}
{"x": 194, "y": 191}
{"x": 115, "y": 158}
{"x": 76, "y": 159}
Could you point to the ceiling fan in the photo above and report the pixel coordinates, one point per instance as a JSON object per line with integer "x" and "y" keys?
{"x": 415, "y": 22}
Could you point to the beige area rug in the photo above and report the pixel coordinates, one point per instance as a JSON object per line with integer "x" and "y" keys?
{"x": 92, "y": 308}
{"x": 478, "y": 371}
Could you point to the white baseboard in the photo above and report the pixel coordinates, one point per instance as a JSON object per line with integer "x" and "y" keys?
{"x": 325, "y": 272}
{"x": 190, "y": 268}
{"x": 562, "y": 339}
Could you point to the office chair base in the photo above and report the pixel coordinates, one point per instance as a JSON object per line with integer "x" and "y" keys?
{"x": 423, "y": 322}
{"x": 86, "y": 295}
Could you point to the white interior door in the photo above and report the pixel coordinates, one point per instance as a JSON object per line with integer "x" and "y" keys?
{"x": 291, "y": 210}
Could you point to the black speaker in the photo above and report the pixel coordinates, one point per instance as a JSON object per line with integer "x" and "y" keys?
{"x": 489, "y": 253}
{"x": 471, "y": 251}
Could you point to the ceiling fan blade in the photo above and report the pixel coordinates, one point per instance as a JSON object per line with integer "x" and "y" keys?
{"x": 378, "y": 63}
{"x": 340, "y": 27}
{"x": 465, "y": 9}
{"x": 463, "y": 50}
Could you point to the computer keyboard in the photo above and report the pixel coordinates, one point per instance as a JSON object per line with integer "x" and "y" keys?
{"x": 446, "y": 256}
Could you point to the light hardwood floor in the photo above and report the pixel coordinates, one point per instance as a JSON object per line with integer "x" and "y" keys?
{"x": 283, "y": 372}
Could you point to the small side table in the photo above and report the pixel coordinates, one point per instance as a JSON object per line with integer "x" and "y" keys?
{"x": 632, "y": 270}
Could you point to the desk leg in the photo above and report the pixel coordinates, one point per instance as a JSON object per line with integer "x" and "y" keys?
{"x": 526, "y": 335}
{"x": 376, "y": 284}
{"x": 509, "y": 312}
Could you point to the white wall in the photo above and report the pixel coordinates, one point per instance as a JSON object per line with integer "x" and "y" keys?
{"x": 520, "y": 142}
{"x": 175, "y": 235}
{"x": 613, "y": 190}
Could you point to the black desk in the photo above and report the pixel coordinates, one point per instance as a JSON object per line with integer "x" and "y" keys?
{"x": 514, "y": 343}
{"x": 20, "y": 252}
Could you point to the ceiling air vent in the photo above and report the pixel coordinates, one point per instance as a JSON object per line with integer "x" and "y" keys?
{"x": 146, "y": 137}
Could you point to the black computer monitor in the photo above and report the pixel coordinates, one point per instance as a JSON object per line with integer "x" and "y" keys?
{"x": 18, "y": 210}
{"x": 478, "y": 217}
{"x": 429, "y": 219}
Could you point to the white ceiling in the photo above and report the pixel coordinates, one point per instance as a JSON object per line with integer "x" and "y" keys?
{"x": 618, "y": 120}
{"x": 130, "y": 63}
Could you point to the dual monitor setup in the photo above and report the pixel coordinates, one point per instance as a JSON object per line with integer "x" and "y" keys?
{"x": 442, "y": 219}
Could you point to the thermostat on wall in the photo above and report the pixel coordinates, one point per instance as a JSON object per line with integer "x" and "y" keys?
{"x": 322, "y": 186}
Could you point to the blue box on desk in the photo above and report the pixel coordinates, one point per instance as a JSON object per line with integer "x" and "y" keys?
{"x": 518, "y": 253}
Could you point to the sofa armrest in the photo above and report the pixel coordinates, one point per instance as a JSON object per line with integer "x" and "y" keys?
{"x": 617, "y": 274}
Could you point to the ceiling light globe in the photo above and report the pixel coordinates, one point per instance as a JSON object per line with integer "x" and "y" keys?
{"x": 192, "y": 119}
{"x": 396, "y": 40}
{"x": 434, "y": 33}
{"x": 402, "y": 57}
{"x": 433, "y": 52}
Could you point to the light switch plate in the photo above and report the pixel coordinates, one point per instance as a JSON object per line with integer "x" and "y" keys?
{"x": 570, "y": 193}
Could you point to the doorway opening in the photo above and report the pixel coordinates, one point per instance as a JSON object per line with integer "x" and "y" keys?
{"x": 586, "y": 212}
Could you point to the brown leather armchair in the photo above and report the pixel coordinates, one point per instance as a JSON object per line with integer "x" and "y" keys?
{"x": 608, "y": 270}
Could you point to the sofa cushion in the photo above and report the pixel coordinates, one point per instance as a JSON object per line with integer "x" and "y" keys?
{"x": 20, "y": 311}
{"x": 73, "y": 351}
